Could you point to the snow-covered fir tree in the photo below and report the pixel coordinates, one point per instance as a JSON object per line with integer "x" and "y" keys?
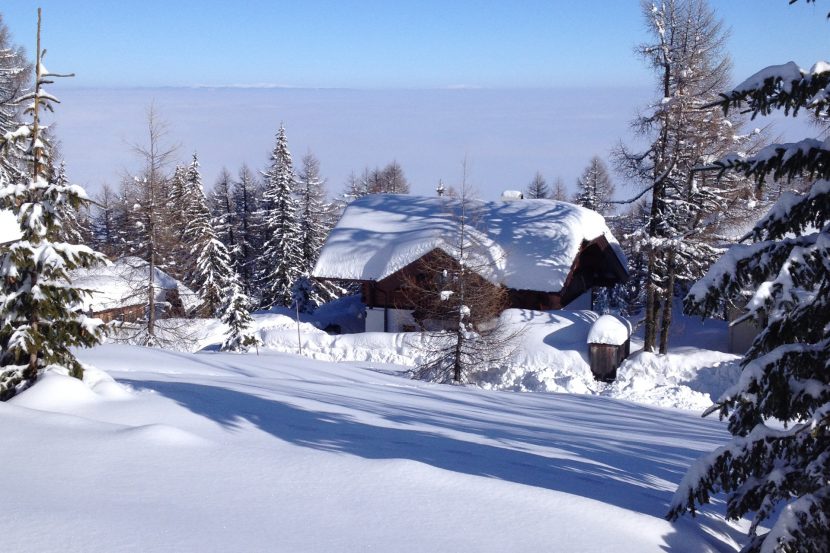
{"x": 538, "y": 188}
{"x": 594, "y": 189}
{"x": 224, "y": 215}
{"x": 72, "y": 227}
{"x": 315, "y": 221}
{"x": 41, "y": 313}
{"x": 212, "y": 272}
{"x": 105, "y": 227}
{"x": 249, "y": 236}
{"x": 15, "y": 76}
{"x": 282, "y": 259}
{"x": 355, "y": 187}
{"x": 776, "y": 469}
{"x": 241, "y": 334}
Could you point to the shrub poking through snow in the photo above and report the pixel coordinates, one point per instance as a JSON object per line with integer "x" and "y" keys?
{"x": 780, "y": 475}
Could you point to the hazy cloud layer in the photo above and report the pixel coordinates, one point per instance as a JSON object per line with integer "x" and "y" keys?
{"x": 506, "y": 135}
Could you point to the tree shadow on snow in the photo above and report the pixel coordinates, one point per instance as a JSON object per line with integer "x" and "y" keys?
{"x": 561, "y": 453}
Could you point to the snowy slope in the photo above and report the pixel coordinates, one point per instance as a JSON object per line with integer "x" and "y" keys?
{"x": 224, "y": 452}
{"x": 528, "y": 244}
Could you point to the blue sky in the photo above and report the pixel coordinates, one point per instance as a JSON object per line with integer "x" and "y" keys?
{"x": 386, "y": 43}
{"x": 556, "y": 82}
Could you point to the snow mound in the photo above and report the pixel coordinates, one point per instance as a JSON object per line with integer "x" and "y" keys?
{"x": 686, "y": 378}
{"x": 54, "y": 390}
{"x": 104, "y": 386}
{"x": 610, "y": 330}
{"x": 163, "y": 434}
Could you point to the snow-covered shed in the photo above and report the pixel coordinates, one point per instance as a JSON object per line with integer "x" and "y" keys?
{"x": 609, "y": 343}
{"x": 546, "y": 253}
{"x": 120, "y": 291}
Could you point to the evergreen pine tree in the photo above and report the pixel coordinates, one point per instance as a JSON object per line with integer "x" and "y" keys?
{"x": 211, "y": 267}
{"x": 15, "y": 74}
{"x": 176, "y": 251}
{"x": 105, "y": 236}
{"x": 72, "y": 227}
{"x": 594, "y": 188}
{"x": 314, "y": 223}
{"x": 779, "y": 475}
{"x": 246, "y": 201}
{"x": 240, "y": 336}
{"x": 224, "y": 215}
{"x": 41, "y": 313}
{"x": 281, "y": 261}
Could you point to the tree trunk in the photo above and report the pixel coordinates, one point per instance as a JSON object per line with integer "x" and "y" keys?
{"x": 668, "y": 299}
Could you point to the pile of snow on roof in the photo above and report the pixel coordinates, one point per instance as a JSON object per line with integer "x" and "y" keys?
{"x": 609, "y": 330}
{"x": 124, "y": 283}
{"x": 524, "y": 244}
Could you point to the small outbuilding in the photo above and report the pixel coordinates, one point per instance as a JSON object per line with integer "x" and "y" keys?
{"x": 119, "y": 291}
{"x": 609, "y": 343}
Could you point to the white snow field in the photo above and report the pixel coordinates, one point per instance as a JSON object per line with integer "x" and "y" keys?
{"x": 551, "y": 355}
{"x": 275, "y": 452}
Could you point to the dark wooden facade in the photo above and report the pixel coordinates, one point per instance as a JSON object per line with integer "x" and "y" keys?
{"x": 126, "y": 313}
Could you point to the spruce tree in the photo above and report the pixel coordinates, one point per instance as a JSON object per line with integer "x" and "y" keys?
{"x": 281, "y": 261}
{"x": 15, "y": 76}
{"x": 315, "y": 221}
{"x": 241, "y": 335}
{"x": 224, "y": 215}
{"x": 41, "y": 313}
{"x": 777, "y": 466}
{"x": 211, "y": 266}
{"x": 594, "y": 188}
{"x": 105, "y": 235}
{"x": 246, "y": 201}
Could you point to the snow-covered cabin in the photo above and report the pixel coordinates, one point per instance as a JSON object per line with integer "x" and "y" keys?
{"x": 546, "y": 253}
{"x": 119, "y": 291}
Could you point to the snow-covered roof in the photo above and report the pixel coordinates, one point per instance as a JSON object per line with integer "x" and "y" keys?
{"x": 124, "y": 282}
{"x": 610, "y": 330}
{"x": 526, "y": 244}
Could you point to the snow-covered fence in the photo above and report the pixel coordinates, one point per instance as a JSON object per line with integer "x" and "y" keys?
{"x": 609, "y": 343}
